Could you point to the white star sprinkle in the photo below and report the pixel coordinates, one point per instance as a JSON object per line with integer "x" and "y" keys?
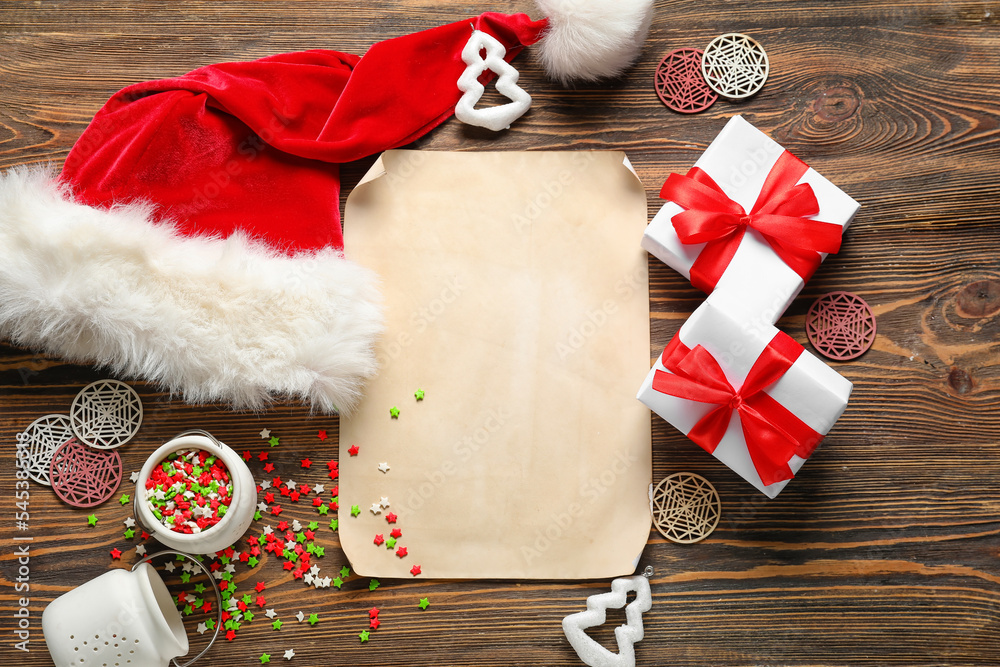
{"x": 308, "y": 578}
{"x": 129, "y": 522}
{"x": 134, "y": 477}
{"x": 265, "y": 434}
{"x": 296, "y": 526}
{"x": 318, "y": 489}
{"x": 300, "y": 616}
{"x": 384, "y": 466}
{"x": 202, "y": 628}
{"x": 170, "y": 567}
{"x": 262, "y": 506}
{"x": 289, "y": 654}
{"x": 270, "y": 613}
{"x": 265, "y": 484}
{"x": 290, "y": 484}
{"x": 375, "y": 508}
{"x": 140, "y": 550}
{"x": 268, "y": 530}
{"x": 384, "y": 502}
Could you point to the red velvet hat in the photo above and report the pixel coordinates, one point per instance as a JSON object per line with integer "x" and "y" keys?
{"x": 193, "y": 238}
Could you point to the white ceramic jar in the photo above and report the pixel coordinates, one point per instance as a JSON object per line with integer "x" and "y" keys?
{"x": 238, "y": 517}
{"x": 121, "y": 618}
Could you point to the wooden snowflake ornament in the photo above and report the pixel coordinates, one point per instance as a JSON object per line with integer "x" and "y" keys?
{"x": 592, "y": 653}
{"x": 494, "y": 118}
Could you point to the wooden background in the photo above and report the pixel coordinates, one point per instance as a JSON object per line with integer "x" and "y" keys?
{"x": 884, "y": 550}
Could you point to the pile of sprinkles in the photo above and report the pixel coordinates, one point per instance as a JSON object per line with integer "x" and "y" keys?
{"x": 189, "y": 491}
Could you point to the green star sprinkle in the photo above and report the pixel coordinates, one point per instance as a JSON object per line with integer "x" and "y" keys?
{"x": 92, "y": 520}
{"x": 256, "y": 515}
{"x": 124, "y": 499}
{"x": 311, "y": 548}
{"x": 199, "y": 588}
{"x": 323, "y": 509}
{"x": 252, "y": 562}
{"x": 277, "y": 624}
{"x": 313, "y": 619}
{"x": 373, "y": 584}
{"x": 210, "y": 623}
{"x": 363, "y": 636}
{"x": 390, "y": 543}
{"x": 319, "y": 551}
{"x": 261, "y": 540}
{"x": 197, "y": 602}
{"x": 419, "y": 394}
{"x": 338, "y": 582}
{"x": 185, "y": 577}
{"x": 265, "y": 657}
{"x": 424, "y": 603}
{"x": 313, "y": 525}
{"x": 345, "y": 572}
{"x": 334, "y": 524}
{"x": 247, "y": 599}
{"x": 248, "y": 616}
{"x": 129, "y": 533}
{"x": 355, "y": 510}
{"x": 300, "y": 538}
{"x": 394, "y": 412}
{"x": 273, "y": 441}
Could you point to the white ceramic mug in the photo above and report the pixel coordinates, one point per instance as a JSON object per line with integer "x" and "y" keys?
{"x": 238, "y": 517}
{"x": 121, "y": 618}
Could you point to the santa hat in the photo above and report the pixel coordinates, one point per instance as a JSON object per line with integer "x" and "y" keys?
{"x": 193, "y": 238}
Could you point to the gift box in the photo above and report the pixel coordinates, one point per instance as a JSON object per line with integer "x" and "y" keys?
{"x": 752, "y": 397}
{"x": 751, "y": 218}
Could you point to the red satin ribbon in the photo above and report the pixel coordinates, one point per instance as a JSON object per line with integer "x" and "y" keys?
{"x": 780, "y": 214}
{"x": 772, "y": 433}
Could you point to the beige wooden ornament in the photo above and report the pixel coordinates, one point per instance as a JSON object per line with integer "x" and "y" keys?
{"x": 686, "y": 508}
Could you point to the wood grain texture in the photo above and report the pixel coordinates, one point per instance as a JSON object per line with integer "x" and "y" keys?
{"x": 886, "y": 548}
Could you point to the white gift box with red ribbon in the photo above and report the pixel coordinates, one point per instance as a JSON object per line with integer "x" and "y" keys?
{"x": 810, "y": 396}
{"x": 756, "y": 284}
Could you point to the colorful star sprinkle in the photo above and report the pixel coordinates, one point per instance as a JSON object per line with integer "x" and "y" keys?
{"x": 92, "y": 520}
{"x": 415, "y": 570}
{"x": 424, "y": 603}
{"x": 321, "y": 435}
{"x": 355, "y": 510}
{"x": 313, "y": 619}
{"x": 394, "y": 412}
{"x": 116, "y": 554}
{"x": 189, "y": 491}
{"x": 383, "y": 466}
{"x": 274, "y": 442}
{"x": 265, "y": 658}
{"x": 124, "y": 499}
{"x": 373, "y": 584}
{"x": 353, "y": 451}
{"x": 277, "y": 624}
{"x": 419, "y": 394}
{"x": 363, "y": 636}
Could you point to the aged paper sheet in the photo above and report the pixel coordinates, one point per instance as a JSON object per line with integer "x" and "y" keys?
{"x": 516, "y": 298}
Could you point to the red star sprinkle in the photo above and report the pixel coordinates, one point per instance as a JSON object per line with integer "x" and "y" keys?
{"x": 260, "y": 601}
{"x": 397, "y": 533}
{"x": 276, "y": 510}
{"x": 145, "y": 535}
{"x": 305, "y": 489}
{"x": 276, "y": 482}
{"x": 390, "y": 517}
{"x": 297, "y": 574}
{"x": 285, "y": 491}
{"x": 268, "y": 497}
{"x": 306, "y": 462}
{"x": 374, "y": 623}
{"x": 223, "y": 585}
{"x": 294, "y": 495}
{"x": 415, "y": 570}
{"x": 401, "y": 552}
{"x": 353, "y": 451}
{"x": 230, "y": 635}
{"x": 334, "y": 474}
{"x": 268, "y": 467}
{"x": 317, "y": 501}
{"x": 225, "y": 616}
{"x": 262, "y": 456}
{"x": 321, "y": 435}
{"x": 247, "y": 455}
{"x": 332, "y": 464}
{"x": 116, "y": 554}
{"x": 373, "y": 612}
{"x": 288, "y": 565}
{"x": 379, "y": 539}
{"x": 282, "y": 526}
{"x": 260, "y": 586}
{"x": 207, "y": 607}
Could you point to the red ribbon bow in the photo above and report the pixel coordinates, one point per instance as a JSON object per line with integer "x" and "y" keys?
{"x": 780, "y": 214}
{"x": 772, "y": 433}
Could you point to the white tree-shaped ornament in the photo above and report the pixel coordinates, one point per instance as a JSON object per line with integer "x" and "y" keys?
{"x": 498, "y": 117}
{"x": 590, "y": 651}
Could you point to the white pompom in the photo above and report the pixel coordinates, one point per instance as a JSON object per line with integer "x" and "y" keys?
{"x": 593, "y": 39}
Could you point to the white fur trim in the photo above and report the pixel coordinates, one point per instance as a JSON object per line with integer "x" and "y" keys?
{"x": 212, "y": 319}
{"x": 593, "y": 39}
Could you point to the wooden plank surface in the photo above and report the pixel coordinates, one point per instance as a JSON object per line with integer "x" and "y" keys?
{"x": 884, "y": 550}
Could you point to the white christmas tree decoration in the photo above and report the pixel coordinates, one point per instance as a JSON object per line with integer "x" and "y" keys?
{"x": 494, "y": 118}
{"x": 592, "y": 653}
